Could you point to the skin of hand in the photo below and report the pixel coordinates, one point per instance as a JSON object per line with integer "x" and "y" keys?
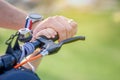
{"x": 64, "y": 27}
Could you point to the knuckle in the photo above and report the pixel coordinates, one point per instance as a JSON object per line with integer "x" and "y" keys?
{"x": 74, "y": 24}
{"x": 49, "y": 19}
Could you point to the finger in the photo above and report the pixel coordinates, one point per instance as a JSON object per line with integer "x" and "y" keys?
{"x": 53, "y": 23}
{"x": 43, "y": 32}
{"x": 74, "y": 26}
{"x": 69, "y": 29}
{"x": 51, "y": 32}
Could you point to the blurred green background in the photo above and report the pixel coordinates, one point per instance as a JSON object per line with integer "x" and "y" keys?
{"x": 96, "y": 58}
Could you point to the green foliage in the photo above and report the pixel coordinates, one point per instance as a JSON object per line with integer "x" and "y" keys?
{"x": 96, "y": 58}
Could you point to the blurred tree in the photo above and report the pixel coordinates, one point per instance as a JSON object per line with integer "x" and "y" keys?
{"x": 33, "y": 5}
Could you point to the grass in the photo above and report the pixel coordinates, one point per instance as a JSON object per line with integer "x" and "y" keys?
{"x": 96, "y": 58}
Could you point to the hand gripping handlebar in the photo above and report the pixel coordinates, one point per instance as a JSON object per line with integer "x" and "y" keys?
{"x": 47, "y": 46}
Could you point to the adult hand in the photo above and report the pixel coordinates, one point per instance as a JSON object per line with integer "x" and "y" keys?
{"x": 64, "y": 27}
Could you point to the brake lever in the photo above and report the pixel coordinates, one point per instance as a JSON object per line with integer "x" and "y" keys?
{"x": 50, "y": 47}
